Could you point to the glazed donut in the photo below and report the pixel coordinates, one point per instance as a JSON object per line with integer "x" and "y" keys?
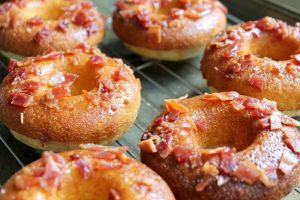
{"x": 259, "y": 59}
{"x": 224, "y": 146}
{"x": 29, "y": 27}
{"x": 62, "y": 99}
{"x": 94, "y": 172}
{"x": 168, "y": 29}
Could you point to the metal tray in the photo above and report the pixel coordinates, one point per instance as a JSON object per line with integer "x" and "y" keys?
{"x": 160, "y": 80}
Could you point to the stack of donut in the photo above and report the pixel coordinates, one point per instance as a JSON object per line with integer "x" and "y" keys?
{"x": 217, "y": 146}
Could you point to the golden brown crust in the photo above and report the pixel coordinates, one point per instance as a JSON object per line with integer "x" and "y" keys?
{"x": 164, "y": 32}
{"x": 91, "y": 173}
{"x": 191, "y": 145}
{"x": 33, "y": 26}
{"x": 257, "y": 59}
{"x": 56, "y": 110}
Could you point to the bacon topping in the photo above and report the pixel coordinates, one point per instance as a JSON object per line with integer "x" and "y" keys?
{"x": 164, "y": 149}
{"x": 275, "y": 121}
{"x": 288, "y": 162}
{"x": 119, "y": 75}
{"x": 248, "y": 172}
{"x": 21, "y": 99}
{"x": 61, "y": 91}
{"x": 30, "y": 87}
{"x": 181, "y": 153}
{"x": 265, "y": 24}
{"x": 292, "y": 141}
{"x": 12, "y": 65}
{"x": 223, "y": 96}
{"x": 97, "y": 61}
{"x": 113, "y": 195}
{"x": 256, "y": 81}
{"x": 173, "y": 104}
{"x": 288, "y": 121}
{"x": 148, "y": 146}
{"x": 35, "y": 21}
{"x": 84, "y": 167}
{"x": 201, "y": 125}
{"x": 63, "y": 25}
{"x": 203, "y": 183}
{"x": 54, "y": 170}
{"x": 40, "y": 36}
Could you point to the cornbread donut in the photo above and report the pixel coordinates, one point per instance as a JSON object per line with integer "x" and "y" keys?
{"x": 224, "y": 146}
{"x": 94, "y": 172}
{"x": 29, "y": 27}
{"x": 259, "y": 59}
{"x": 62, "y": 99}
{"x": 168, "y": 29}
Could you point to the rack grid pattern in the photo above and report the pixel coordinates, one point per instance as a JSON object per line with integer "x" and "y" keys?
{"x": 160, "y": 80}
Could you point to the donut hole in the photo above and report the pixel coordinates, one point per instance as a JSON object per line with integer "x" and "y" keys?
{"x": 86, "y": 79}
{"x": 47, "y": 10}
{"x": 231, "y": 130}
{"x": 272, "y": 47}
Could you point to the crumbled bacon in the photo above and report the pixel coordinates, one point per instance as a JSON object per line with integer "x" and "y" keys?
{"x": 82, "y": 19}
{"x": 40, "y": 36}
{"x": 105, "y": 86}
{"x": 172, "y": 116}
{"x": 288, "y": 121}
{"x": 164, "y": 149}
{"x": 265, "y": 24}
{"x": 75, "y": 156}
{"x": 84, "y": 166}
{"x": 237, "y": 105}
{"x": 288, "y": 162}
{"x": 97, "y": 61}
{"x": 248, "y": 172}
{"x": 19, "y": 73}
{"x": 248, "y": 26}
{"x": 30, "y": 87}
{"x": 148, "y": 146}
{"x": 119, "y": 75}
{"x": 264, "y": 123}
{"x": 223, "y": 96}
{"x": 155, "y": 33}
{"x": 293, "y": 144}
{"x": 173, "y": 104}
{"x": 181, "y": 153}
{"x": 20, "y": 99}
{"x": 35, "y": 21}
{"x": 55, "y": 166}
{"x": 201, "y": 185}
{"x": 63, "y": 25}
{"x": 61, "y": 91}
{"x": 275, "y": 121}
{"x": 5, "y": 7}
{"x": 23, "y": 182}
{"x": 113, "y": 195}
{"x": 201, "y": 125}
{"x": 232, "y": 52}
{"x": 232, "y": 69}
{"x": 256, "y": 81}
{"x": 228, "y": 162}
{"x": 12, "y": 65}
{"x": 69, "y": 78}
{"x": 176, "y": 13}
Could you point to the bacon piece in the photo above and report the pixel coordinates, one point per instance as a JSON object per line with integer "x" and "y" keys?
{"x": 97, "y": 61}
{"x": 237, "y": 105}
{"x": 256, "y": 81}
{"x": 155, "y": 33}
{"x": 293, "y": 144}
{"x": 288, "y": 121}
{"x": 69, "y": 78}
{"x": 164, "y": 149}
{"x": 113, "y": 195}
{"x": 288, "y": 162}
{"x": 205, "y": 181}
{"x": 176, "y": 13}
{"x": 35, "y": 21}
{"x": 247, "y": 171}
{"x": 232, "y": 52}
{"x": 264, "y": 123}
{"x": 19, "y": 73}
{"x": 30, "y": 87}
{"x": 265, "y": 24}
{"x": 223, "y": 96}
{"x": 75, "y": 156}
{"x": 192, "y": 14}
{"x": 55, "y": 167}
{"x": 84, "y": 166}
{"x": 82, "y": 19}
{"x": 173, "y": 104}
{"x": 209, "y": 169}
{"x": 119, "y": 75}
{"x": 248, "y": 26}
{"x": 148, "y": 146}
{"x": 21, "y": 99}
{"x": 12, "y": 65}
{"x": 172, "y": 116}
{"x": 275, "y": 121}
{"x": 201, "y": 125}
{"x": 61, "y": 91}
{"x": 40, "y": 36}
{"x": 5, "y": 7}
{"x": 106, "y": 86}
{"x": 228, "y": 162}
{"x": 63, "y": 25}
{"x": 181, "y": 154}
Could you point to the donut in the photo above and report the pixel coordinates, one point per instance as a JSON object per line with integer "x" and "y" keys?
{"x": 62, "y": 99}
{"x": 224, "y": 146}
{"x": 29, "y": 27}
{"x": 259, "y": 59}
{"x": 168, "y": 29}
{"x": 94, "y": 172}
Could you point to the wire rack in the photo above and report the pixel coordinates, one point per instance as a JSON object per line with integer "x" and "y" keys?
{"x": 160, "y": 80}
